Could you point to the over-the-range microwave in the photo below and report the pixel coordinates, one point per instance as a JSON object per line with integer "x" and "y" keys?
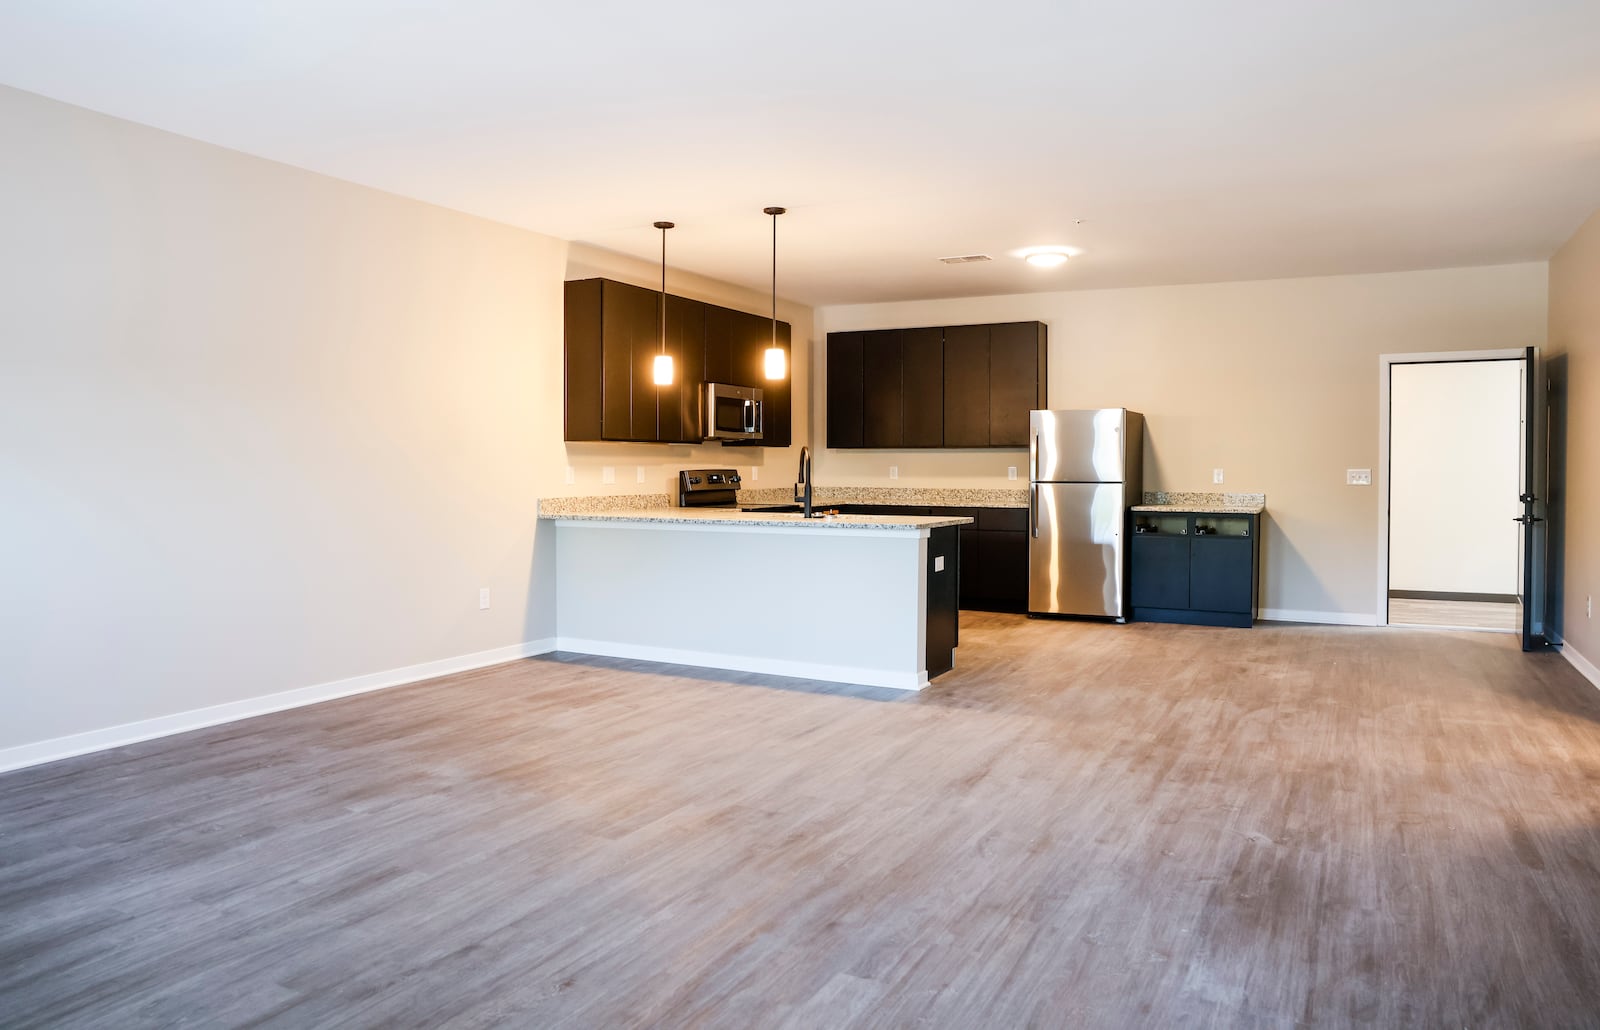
{"x": 729, "y": 412}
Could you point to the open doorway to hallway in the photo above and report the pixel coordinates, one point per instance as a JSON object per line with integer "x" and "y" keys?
{"x": 1455, "y": 469}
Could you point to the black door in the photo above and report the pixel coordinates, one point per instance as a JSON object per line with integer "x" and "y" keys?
{"x": 1532, "y": 593}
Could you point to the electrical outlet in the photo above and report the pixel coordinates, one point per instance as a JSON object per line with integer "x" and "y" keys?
{"x": 894, "y": 471}
{"x": 608, "y": 474}
{"x": 1216, "y": 475}
{"x": 483, "y": 598}
{"x": 1358, "y": 477}
{"x": 1011, "y": 472}
{"x": 640, "y": 478}
{"x": 572, "y": 475}
{"x": 755, "y": 473}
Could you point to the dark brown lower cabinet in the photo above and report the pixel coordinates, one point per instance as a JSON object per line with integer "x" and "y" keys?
{"x": 993, "y": 573}
{"x": 994, "y": 558}
{"x": 943, "y": 625}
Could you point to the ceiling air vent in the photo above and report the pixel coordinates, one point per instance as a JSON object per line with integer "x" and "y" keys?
{"x": 965, "y": 259}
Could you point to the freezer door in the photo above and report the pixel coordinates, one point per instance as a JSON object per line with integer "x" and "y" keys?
{"x": 1077, "y": 446}
{"x": 1075, "y": 549}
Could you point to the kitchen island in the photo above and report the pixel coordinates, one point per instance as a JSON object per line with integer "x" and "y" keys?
{"x": 862, "y": 599}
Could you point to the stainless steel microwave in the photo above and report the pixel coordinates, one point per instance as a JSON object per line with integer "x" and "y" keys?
{"x": 730, "y": 412}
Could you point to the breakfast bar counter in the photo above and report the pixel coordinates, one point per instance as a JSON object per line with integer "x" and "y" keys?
{"x": 862, "y": 599}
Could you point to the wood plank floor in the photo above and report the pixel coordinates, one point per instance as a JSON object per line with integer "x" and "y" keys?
{"x": 1085, "y": 825}
{"x": 1501, "y": 615}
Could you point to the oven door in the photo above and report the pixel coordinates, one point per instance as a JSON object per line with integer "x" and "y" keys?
{"x": 730, "y": 412}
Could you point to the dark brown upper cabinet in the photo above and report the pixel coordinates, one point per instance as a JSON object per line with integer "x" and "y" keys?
{"x": 966, "y": 386}
{"x": 1016, "y": 380}
{"x": 748, "y": 337}
{"x": 845, "y": 382}
{"x": 955, "y": 386}
{"x": 882, "y": 390}
{"x": 923, "y": 353}
{"x": 613, "y": 334}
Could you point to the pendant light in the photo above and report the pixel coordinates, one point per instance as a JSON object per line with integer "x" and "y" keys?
{"x": 663, "y": 364}
{"x": 775, "y": 362}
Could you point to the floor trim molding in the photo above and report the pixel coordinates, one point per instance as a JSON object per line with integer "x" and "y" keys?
{"x": 854, "y": 674}
{"x": 1584, "y": 666}
{"x": 1322, "y": 618}
{"x": 55, "y": 749}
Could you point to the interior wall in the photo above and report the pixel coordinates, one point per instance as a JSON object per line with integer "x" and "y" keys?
{"x": 647, "y": 468}
{"x": 1455, "y": 473}
{"x": 1574, "y": 359}
{"x": 260, "y": 429}
{"x": 1275, "y": 382}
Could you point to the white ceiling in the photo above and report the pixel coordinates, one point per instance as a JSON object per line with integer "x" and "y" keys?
{"x": 1172, "y": 142}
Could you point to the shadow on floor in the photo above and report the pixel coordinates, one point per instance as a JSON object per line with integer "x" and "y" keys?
{"x": 858, "y": 691}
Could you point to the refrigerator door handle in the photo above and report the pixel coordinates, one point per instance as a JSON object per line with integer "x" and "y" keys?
{"x": 1033, "y": 510}
{"x": 1034, "y": 460}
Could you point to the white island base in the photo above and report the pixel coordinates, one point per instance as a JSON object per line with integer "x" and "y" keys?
{"x": 860, "y": 599}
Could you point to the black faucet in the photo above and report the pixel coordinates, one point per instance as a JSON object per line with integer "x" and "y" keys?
{"x": 802, "y": 489}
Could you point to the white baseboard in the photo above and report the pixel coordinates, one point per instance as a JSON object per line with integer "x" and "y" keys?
{"x": 1582, "y": 664}
{"x": 739, "y": 663}
{"x": 199, "y": 718}
{"x": 1324, "y": 618}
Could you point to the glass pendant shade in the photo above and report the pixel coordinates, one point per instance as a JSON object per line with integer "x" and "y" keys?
{"x": 663, "y": 370}
{"x": 776, "y": 363}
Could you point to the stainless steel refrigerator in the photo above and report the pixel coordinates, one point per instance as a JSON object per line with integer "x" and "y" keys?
{"x": 1085, "y": 469}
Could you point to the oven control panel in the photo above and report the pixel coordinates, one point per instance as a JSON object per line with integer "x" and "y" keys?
{"x": 707, "y": 487}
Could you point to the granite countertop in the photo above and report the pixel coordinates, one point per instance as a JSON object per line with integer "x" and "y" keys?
{"x": 821, "y": 497}
{"x": 730, "y": 518}
{"x": 1204, "y": 503}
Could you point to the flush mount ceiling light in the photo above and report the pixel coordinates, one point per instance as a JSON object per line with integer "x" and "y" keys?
{"x": 775, "y": 363}
{"x": 1047, "y": 257}
{"x": 663, "y": 364}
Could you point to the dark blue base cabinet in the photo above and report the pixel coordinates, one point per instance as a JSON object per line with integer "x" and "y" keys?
{"x": 1197, "y": 568}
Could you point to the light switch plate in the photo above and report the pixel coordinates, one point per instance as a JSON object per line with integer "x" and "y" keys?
{"x": 894, "y": 471}
{"x": 608, "y": 474}
{"x": 1358, "y": 477}
{"x": 1011, "y": 472}
{"x": 640, "y": 473}
{"x": 572, "y": 475}
{"x": 1216, "y": 475}
{"x": 938, "y": 563}
{"x": 483, "y": 598}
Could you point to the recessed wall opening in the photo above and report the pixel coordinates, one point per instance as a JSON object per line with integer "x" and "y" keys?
{"x": 1462, "y": 477}
{"x": 1455, "y": 449}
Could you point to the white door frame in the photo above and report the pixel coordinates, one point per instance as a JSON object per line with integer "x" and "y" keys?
{"x": 1385, "y": 363}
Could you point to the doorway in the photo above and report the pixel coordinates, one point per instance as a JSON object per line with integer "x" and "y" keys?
{"x": 1459, "y": 538}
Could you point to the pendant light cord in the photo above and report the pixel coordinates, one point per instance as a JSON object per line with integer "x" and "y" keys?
{"x": 663, "y": 226}
{"x": 774, "y": 280}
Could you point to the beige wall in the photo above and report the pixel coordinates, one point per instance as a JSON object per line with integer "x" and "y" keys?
{"x": 1574, "y": 358}
{"x": 1275, "y": 382}
{"x": 262, "y": 430}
